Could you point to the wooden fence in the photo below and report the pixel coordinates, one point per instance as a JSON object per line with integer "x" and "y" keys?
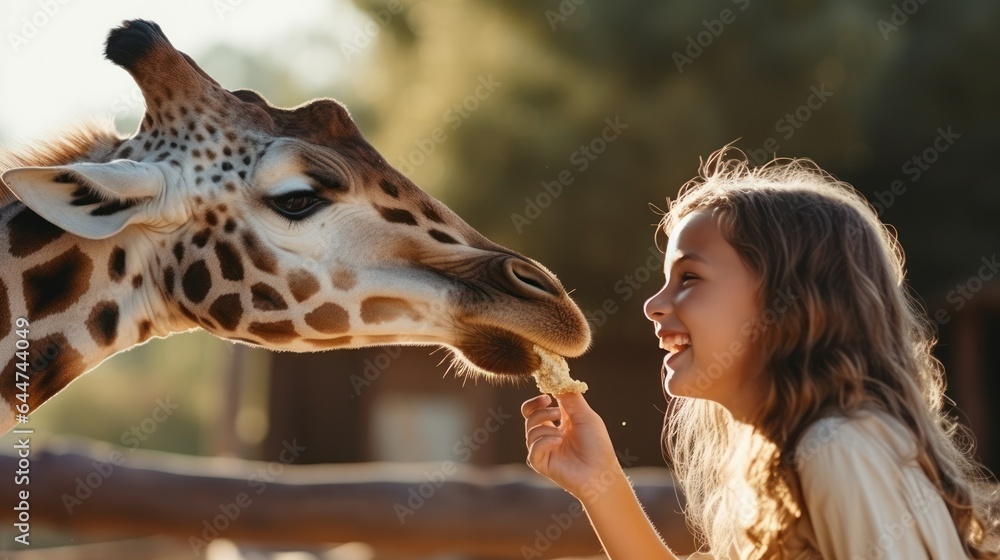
{"x": 501, "y": 512}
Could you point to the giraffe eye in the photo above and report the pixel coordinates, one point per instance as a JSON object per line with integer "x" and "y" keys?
{"x": 297, "y": 205}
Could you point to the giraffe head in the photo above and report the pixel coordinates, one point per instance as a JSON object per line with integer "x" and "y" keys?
{"x": 286, "y": 229}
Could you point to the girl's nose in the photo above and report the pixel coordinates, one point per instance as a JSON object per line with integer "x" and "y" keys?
{"x": 657, "y": 306}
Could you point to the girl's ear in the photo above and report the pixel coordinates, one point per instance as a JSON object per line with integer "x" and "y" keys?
{"x": 91, "y": 200}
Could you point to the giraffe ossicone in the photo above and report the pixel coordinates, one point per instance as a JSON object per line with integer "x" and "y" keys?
{"x": 281, "y": 228}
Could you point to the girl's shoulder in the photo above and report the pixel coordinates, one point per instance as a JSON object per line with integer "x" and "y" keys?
{"x": 869, "y": 430}
{"x": 861, "y": 486}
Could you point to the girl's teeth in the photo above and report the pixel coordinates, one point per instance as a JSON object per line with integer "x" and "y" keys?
{"x": 678, "y": 343}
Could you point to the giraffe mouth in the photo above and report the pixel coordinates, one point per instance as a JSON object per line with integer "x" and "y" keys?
{"x": 495, "y": 353}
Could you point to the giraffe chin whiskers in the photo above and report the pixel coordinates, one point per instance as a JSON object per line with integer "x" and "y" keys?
{"x": 467, "y": 370}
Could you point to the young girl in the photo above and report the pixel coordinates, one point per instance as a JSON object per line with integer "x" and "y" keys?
{"x": 806, "y": 415}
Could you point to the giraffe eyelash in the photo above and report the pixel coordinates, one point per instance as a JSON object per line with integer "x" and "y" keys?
{"x": 315, "y": 203}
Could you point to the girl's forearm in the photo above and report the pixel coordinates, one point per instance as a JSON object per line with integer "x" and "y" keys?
{"x": 621, "y": 524}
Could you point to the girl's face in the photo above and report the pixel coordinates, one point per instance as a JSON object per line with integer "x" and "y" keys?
{"x": 704, "y": 316}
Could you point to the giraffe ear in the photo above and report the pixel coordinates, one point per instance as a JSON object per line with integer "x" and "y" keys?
{"x": 92, "y": 200}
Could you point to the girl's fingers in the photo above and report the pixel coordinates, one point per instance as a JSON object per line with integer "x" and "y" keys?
{"x": 539, "y": 451}
{"x": 535, "y": 403}
{"x": 537, "y": 432}
{"x": 542, "y": 416}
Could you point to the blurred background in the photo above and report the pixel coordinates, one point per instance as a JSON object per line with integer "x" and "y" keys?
{"x": 551, "y": 127}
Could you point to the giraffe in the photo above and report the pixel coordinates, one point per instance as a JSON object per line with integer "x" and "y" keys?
{"x": 279, "y": 228}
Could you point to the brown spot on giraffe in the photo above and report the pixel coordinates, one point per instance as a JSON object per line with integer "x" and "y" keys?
{"x": 329, "y": 318}
{"x": 431, "y": 213}
{"x": 383, "y": 309}
{"x": 389, "y": 188}
{"x": 103, "y": 323}
{"x": 197, "y": 281}
{"x": 29, "y": 232}
{"x": 275, "y": 332}
{"x": 266, "y": 298}
{"x": 229, "y": 261}
{"x": 54, "y": 285}
{"x": 441, "y": 236}
{"x": 261, "y": 258}
{"x": 302, "y": 284}
{"x": 53, "y": 364}
{"x": 227, "y": 310}
{"x": 116, "y": 264}
{"x": 397, "y": 216}
{"x": 344, "y": 278}
{"x": 200, "y": 239}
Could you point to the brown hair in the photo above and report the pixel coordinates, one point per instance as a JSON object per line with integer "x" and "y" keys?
{"x": 855, "y": 337}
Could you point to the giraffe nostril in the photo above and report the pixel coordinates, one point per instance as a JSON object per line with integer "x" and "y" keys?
{"x": 530, "y": 280}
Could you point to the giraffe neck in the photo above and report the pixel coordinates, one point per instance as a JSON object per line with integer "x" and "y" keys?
{"x": 74, "y": 302}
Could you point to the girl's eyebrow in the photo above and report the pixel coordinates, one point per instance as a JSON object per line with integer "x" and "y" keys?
{"x": 690, "y": 256}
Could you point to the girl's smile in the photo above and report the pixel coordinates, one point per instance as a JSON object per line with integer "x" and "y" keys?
{"x": 675, "y": 343}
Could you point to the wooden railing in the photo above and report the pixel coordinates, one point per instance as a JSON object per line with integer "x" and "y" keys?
{"x": 500, "y": 512}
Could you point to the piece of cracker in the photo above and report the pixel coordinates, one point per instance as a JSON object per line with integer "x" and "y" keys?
{"x": 553, "y": 375}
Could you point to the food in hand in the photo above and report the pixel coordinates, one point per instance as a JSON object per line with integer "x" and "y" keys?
{"x": 553, "y": 377}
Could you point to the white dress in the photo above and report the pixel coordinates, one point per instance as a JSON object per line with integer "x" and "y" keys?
{"x": 865, "y": 496}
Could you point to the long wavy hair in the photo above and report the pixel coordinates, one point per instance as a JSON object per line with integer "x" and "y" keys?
{"x": 855, "y": 338}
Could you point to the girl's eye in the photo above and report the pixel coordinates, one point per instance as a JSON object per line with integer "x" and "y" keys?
{"x": 686, "y": 277}
{"x": 296, "y": 205}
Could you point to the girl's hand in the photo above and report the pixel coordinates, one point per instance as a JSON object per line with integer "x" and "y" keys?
{"x": 569, "y": 444}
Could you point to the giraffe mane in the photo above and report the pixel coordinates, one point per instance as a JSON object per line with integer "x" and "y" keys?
{"x": 90, "y": 140}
